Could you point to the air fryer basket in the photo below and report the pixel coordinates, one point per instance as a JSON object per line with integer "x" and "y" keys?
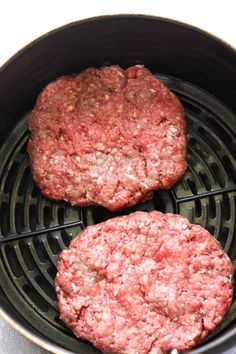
{"x": 200, "y": 69}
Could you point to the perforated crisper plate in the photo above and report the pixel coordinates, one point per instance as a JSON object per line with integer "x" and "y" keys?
{"x": 34, "y": 229}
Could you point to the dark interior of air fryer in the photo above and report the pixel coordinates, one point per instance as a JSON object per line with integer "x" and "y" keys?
{"x": 199, "y": 69}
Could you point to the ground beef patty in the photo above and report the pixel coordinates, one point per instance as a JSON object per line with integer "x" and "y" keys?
{"x": 107, "y": 137}
{"x": 144, "y": 283}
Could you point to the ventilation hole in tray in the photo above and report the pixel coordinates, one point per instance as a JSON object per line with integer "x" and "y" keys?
{"x": 94, "y": 214}
{"x": 211, "y": 229}
{"x": 218, "y": 175}
{"x": 53, "y": 243}
{"x": 19, "y": 218}
{"x": 46, "y": 287}
{"x": 52, "y": 271}
{"x": 40, "y": 249}
{"x": 4, "y": 219}
{"x": 35, "y": 298}
{"x": 11, "y": 177}
{"x": 148, "y": 205}
{"x": 190, "y": 107}
{"x": 62, "y": 324}
{"x": 23, "y": 148}
{"x": 198, "y": 208}
{"x": 27, "y": 256}
{"x": 191, "y": 141}
{"x": 230, "y": 169}
{"x": 209, "y": 138}
{"x": 226, "y": 207}
{"x": 189, "y": 121}
{"x": 224, "y": 236}
{"x": 192, "y": 185}
{"x": 35, "y": 191}
{"x": 23, "y": 186}
{"x": 65, "y": 238}
{"x": 212, "y": 208}
{"x": 220, "y": 131}
{"x": 46, "y": 216}
{"x": 60, "y": 216}
{"x": 205, "y": 181}
{"x": 32, "y": 217}
{"x": 160, "y": 203}
{"x": 13, "y": 261}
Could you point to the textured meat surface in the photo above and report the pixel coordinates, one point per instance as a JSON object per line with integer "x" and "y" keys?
{"x": 144, "y": 283}
{"x": 107, "y": 137}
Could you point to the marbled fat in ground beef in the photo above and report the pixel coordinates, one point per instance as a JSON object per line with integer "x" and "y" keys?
{"x": 107, "y": 137}
{"x": 144, "y": 283}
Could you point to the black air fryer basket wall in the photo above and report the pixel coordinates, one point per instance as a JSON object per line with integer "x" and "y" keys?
{"x": 200, "y": 69}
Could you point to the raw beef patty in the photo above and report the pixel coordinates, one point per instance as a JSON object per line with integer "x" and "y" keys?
{"x": 107, "y": 137}
{"x": 144, "y": 283}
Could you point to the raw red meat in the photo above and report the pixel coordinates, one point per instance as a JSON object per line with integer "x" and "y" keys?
{"x": 107, "y": 137}
{"x": 144, "y": 283}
